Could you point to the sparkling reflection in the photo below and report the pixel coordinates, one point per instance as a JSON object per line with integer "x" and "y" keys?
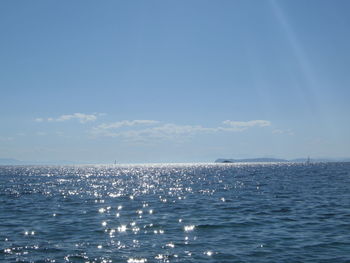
{"x": 159, "y": 213}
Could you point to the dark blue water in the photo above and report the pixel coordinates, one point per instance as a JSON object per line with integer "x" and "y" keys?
{"x": 176, "y": 213}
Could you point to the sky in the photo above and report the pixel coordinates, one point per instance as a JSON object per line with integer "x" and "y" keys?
{"x": 174, "y": 81}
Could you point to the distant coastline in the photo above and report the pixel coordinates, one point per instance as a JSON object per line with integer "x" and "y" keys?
{"x": 12, "y": 161}
{"x": 277, "y": 160}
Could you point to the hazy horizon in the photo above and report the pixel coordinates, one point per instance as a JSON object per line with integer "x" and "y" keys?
{"x": 13, "y": 161}
{"x": 181, "y": 81}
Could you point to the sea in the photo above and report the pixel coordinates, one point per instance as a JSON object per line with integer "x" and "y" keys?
{"x": 246, "y": 212}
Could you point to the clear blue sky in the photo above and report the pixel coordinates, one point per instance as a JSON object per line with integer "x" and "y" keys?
{"x": 174, "y": 81}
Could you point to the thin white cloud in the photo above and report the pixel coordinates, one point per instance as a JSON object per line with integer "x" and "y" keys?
{"x": 160, "y": 132}
{"x": 167, "y": 131}
{"x": 279, "y": 131}
{"x": 135, "y": 130}
{"x": 114, "y": 129}
{"x": 247, "y": 124}
{"x": 126, "y": 123}
{"x": 81, "y": 117}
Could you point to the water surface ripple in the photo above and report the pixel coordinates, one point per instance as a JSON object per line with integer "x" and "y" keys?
{"x": 175, "y": 213}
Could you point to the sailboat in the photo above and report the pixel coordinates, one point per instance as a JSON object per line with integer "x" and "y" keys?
{"x": 308, "y": 160}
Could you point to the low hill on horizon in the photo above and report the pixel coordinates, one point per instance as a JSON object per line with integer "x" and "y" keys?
{"x": 277, "y": 160}
{"x": 251, "y": 160}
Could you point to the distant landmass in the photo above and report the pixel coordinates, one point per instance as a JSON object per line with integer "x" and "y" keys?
{"x": 11, "y": 161}
{"x": 252, "y": 160}
{"x": 276, "y": 160}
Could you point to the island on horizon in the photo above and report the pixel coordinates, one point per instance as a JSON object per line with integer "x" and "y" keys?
{"x": 278, "y": 160}
{"x": 12, "y": 161}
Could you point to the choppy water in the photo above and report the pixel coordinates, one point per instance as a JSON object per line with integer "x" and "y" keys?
{"x": 176, "y": 213}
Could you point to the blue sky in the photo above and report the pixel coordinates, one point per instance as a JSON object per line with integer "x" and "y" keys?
{"x": 174, "y": 81}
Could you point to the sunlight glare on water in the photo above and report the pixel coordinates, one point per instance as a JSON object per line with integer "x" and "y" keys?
{"x": 175, "y": 213}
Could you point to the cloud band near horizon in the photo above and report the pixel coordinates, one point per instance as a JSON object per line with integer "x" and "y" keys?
{"x": 152, "y": 129}
{"x": 81, "y": 117}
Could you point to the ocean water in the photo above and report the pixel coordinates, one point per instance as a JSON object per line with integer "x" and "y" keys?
{"x": 176, "y": 213}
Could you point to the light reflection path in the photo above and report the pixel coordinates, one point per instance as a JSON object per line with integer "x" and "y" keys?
{"x": 177, "y": 213}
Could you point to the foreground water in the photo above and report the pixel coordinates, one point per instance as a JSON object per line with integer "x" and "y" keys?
{"x": 176, "y": 213}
